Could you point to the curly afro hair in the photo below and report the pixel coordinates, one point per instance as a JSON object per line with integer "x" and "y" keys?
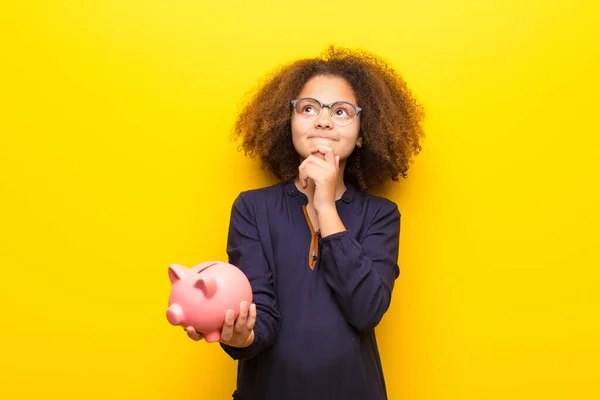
{"x": 390, "y": 120}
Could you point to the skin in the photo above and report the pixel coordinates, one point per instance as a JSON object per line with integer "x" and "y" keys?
{"x": 324, "y": 148}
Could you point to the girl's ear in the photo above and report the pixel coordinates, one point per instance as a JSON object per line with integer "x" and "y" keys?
{"x": 359, "y": 142}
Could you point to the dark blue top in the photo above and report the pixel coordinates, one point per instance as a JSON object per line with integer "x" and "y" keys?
{"x": 316, "y": 313}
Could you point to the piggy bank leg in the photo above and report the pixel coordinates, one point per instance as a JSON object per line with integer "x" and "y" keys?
{"x": 212, "y": 337}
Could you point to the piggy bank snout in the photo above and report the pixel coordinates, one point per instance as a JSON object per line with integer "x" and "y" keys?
{"x": 175, "y": 314}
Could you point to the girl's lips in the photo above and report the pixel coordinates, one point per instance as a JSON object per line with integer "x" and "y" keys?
{"x": 321, "y": 137}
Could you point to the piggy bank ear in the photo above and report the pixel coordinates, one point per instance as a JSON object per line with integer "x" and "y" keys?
{"x": 177, "y": 272}
{"x": 208, "y": 286}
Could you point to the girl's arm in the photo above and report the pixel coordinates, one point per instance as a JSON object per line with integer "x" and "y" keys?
{"x": 245, "y": 251}
{"x": 362, "y": 275}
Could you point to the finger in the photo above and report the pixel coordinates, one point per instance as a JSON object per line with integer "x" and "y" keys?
{"x": 303, "y": 177}
{"x": 193, "y": 334}
{"x": 301, "y": 173}
{"x": 327, "y": 152}
{"x": 251, "y": 317}
{"x": 227, "y": 331}
{"x": 319, "y": 148}
{"x": 309, "y": 173}
{"x": 337, "y": 162}
{"x": 303, "y": 163}
{"x": 240, "y": 323}
{"x": 314, "y": 160}
{"x": 317, "y": 172}
{"x": 315, "y": 152}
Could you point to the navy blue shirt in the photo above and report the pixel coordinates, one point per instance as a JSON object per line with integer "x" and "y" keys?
{"x": 318, "y": 299}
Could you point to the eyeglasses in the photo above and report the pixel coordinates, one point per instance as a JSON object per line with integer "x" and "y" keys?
{"x": 342, "y": 113}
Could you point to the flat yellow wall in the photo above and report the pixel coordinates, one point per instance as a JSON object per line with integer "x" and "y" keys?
{"x": 115, "y": 161}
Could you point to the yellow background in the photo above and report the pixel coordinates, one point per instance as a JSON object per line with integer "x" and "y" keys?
{"x": 115, "y": 161}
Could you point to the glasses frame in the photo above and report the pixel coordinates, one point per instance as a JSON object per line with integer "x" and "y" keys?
{"x": 323, "y": 105}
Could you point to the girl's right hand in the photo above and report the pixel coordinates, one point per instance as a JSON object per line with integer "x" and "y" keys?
{"x": 235, "y": 333}
{"x": 240, "y": 332}
{"x": 191, "y": 332}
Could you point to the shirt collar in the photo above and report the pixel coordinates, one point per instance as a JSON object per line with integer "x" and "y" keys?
{"x": 292, "y": 191}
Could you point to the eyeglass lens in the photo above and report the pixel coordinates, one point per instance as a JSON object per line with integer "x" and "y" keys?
{"x": 341, "y": 113}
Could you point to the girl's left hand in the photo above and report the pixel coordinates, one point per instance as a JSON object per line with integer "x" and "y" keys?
{"x": 322, "y": 166}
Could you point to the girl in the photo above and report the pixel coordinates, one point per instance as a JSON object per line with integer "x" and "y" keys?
{"x": 320, "y": 253}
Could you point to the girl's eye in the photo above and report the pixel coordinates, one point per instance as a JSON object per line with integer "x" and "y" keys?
{"x": 341, "y": 112}
{"x": 308, "y": 107}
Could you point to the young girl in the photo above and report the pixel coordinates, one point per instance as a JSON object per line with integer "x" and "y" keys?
{"x": 320, "y": 253}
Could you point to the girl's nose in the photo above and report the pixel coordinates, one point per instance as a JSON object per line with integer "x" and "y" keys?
{"x": 324, "y": 120}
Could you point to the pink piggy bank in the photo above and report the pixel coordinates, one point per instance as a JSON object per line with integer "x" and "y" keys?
{"x": 201, "y": 295}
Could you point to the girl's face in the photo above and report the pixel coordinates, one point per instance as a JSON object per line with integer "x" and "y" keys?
{"x": 309, "y": 130}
